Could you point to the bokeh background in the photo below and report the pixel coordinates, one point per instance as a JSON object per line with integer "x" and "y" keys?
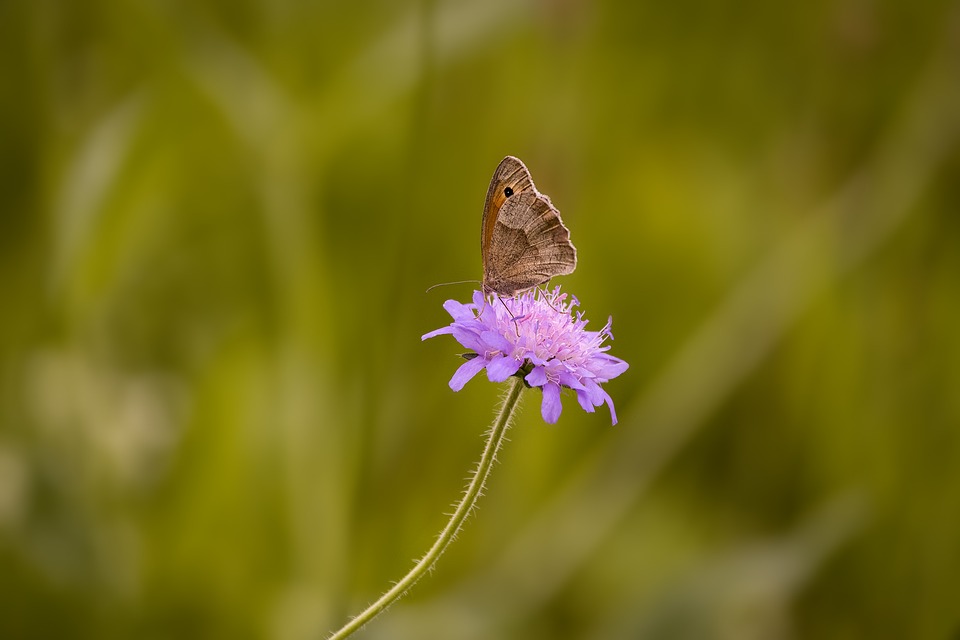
{"x": 217, "y": 419}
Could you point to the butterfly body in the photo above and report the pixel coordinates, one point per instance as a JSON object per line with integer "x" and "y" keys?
{"x": 523, "y": 241}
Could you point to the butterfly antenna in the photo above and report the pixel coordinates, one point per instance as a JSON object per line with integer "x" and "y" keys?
{"x": 444, "y": 284}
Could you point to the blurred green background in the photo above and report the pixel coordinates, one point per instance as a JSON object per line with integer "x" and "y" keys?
{"x": 217, "y": 419}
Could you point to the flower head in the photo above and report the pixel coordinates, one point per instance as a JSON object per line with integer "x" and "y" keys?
{"x": 540, "y": 337}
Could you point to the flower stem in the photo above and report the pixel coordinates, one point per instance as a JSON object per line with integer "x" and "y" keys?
{"x": 473, "y": 491}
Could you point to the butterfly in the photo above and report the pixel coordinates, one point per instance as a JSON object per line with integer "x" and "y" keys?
{"x": 523, "y": 240}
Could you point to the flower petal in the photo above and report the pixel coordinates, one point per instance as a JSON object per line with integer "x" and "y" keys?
{"x": 584, "y": 401}
{"x": 593, "y": 393}
{"x": 613, "y": 412}
{"x": 466, "y": 371}
{"x": 479, "y": 301}
{"x": 496, "y": 341}
{"x": 501, "y": 368}
{"x": 537, "y": 377}
{"x": 458, "y": 311}
{"x": 567, "y": 379}
{"x": 468, "y": 338}
{"x": 608, "y": 367}
{"x": 437, "y": 332}
{"x": 550, "y": 408}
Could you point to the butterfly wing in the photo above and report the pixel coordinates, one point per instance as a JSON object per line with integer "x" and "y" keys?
{"x": 528, "y": 245}
{"x": 511, "y": 177}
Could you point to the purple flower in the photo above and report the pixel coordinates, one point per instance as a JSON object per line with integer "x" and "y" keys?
{"x": 537, "y": 336}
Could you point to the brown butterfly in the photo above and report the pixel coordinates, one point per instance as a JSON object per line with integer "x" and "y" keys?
{"x": 523, "y": 241}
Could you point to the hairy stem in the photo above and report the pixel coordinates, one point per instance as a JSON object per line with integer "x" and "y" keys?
{"x": 473, "y": 491}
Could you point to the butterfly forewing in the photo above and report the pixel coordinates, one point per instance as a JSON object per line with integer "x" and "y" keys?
{"x": 524, "y": 241}
{"x": 511, "y": 177}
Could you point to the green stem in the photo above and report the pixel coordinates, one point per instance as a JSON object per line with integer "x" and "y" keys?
{"x": 494, "y": 440}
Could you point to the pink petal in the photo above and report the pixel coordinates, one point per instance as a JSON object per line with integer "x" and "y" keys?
{"x": 496, "y": 341}
{"x": 458, "y": 311}
{"x": 551, "y": 407}
{"x": 584, "y": 401}
{"x": 501, "y": 368}
{"x": 437, "y": 332}
{"x": 537, "y": 377}
{"x": 466, "y": 371}
{"x": 613, "y": 412}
